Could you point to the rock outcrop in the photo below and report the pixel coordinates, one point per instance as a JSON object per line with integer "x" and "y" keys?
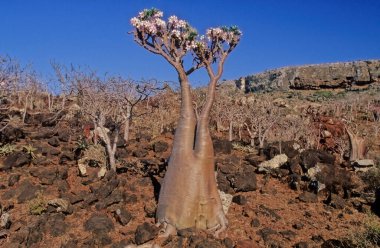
{"x": 348, "y": 75}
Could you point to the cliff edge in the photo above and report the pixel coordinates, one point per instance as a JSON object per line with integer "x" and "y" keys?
{"x": 347, "y": 75}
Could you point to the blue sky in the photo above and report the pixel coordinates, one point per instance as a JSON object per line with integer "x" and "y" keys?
{"x": 276, "y": 33}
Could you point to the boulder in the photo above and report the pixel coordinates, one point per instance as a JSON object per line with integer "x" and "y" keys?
{"x": 243, "y": 181}
{"x": 160, "y": 146}
{"x": 44, "y": 133}
{"x": 13, "y": 179}
{"x": 16, "y": 159}
{"x": 5, "y": 221}
{"x": 363, "y": 163}
{"x": 239, "y": 199}
{"x": 140, "y": 153}
{"x": 46, "y": 176}
{"x": 226, "y": 200}
{"x": 308, "y": 197}
{"x": 99, "y": 223}
{"x": 274, "y": 163}
{"x": 11, "y": 134}
{"x": 57, "y": 224}
{"x": 122, "y": 216}
{"x": 326, "y": 134}
{"x": 246, "y": 244}
{"x": 289, "y": 148}
{"x": 64, "y": 135}
{"x": 309, "y": 158}
{"x": 26, "y": 191}
{"x": 222, "y": 146}
{"x": 336, "y": 201}
{"x": 255, "y": 223}
{"x": 145, "y": 232}
{"x": 61, "y": 205}
{"x": 53, "y": 141}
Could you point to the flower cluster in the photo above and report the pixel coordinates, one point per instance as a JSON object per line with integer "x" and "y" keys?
{"x": 180, "y": 33}
{"x": 177, "y": 23}
{"x": 227, "y": 34}
{"x": 149, "y": 21}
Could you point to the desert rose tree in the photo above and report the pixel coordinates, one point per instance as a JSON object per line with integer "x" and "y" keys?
{"x": 189, "y": 196}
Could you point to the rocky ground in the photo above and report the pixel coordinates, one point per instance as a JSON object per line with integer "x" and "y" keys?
{"x": 45, "y": 202}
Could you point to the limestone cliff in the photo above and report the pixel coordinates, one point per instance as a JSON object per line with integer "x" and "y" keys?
{"x": 348, "y": 75}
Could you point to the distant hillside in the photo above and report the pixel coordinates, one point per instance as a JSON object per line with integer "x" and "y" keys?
{"x": 347, "y": 75}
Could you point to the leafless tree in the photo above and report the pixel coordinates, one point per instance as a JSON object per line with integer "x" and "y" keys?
{"x": 131, "y": 93}
{"x": 162, "y": 110}
{"x": 262, "y": 115}
{"x": 10, "y": 76}
{"x": 102, "y": 103}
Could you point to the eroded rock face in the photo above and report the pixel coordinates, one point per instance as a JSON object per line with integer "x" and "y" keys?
{"x": 320, "y": 76}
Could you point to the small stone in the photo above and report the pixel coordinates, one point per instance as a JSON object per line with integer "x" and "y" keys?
{"x": 70, "y": 244}
{"x": 13, "y": 179}
{"x": 53, "y": 141}
{"x": 63, "y": 173}
{"x": 267, "y": 190}
{"x": 307, "y": 214}
{"x": 140, "y": 153}
{"x": 121, "y": 244}
{"x": 226, "y": 200}
{"x": 54, "y": 152}
{"x": 298, "y": 226}
{"x": 243, "y": 181}
{"x": 3, "y": 234}
{"x": 332, "y": 243}
{"x": 265, "y": 233}
{"x": 248, "y": 212}
{"x": 82, "y": 170}
{"x": 239, "y": 199}
{"x": 5, "y": 221}
{"x": 99, "y": 223}
{"x": 145, "y": 232}
{"x": 246, "y": 244}
{"x": 301, "y": 244}
{"x": 228, "y": 243}
{"x": 337, "y": 202}
{"x": 274, "y": 163}
{"x": 65, "y": 157}
{"x": 57, "y": 225}
{"x": 255, "y": 222}
{"x": 363, "y": 163}
{"x": 308, "y": 197}
{"x": 317, "y": 238}
{"x": 102, "y": 172}
{"x": 160, "y": 146}
{"x": 27, "y": 191}
{"x": 16, "y": 159}
{"x": 123, "y": 216}
{"x": 206, "y": 243}
{"x": 222, "y": 146}
{"x": 61, "y": 205}
{"x": 64, "y": 135}
{"x": 46, "y": 176}
{"x": 288, "y": 234}
{"x": 150, "y": 209}
{"x": 326, "y": 134}
{"x": 187, "y": 232}
{"x": 269, "y": 212}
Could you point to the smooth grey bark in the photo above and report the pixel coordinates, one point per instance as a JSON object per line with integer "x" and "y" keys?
{"x": 189, "y": 196}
